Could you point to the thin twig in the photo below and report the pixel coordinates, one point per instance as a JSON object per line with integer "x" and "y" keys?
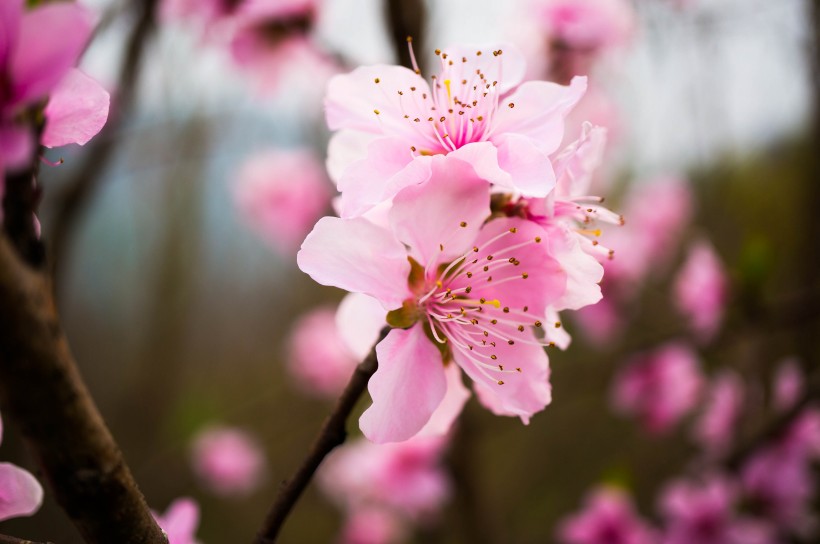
{"x": 74, "y": 198}
{"x": 42, "y": 392}
{"x": 332, "y": 434}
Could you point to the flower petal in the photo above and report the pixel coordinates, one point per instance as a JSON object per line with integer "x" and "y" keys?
{"x": 50, "y": 41}
{"x": 523, "y": 393}
{"x": 77, "y": 110}
{"x": 583, "y": 271}
{"x": 359, "y": 320}
{"x": 527, "y": 164}
{"x": 508, "y": 67}
{"x": 16, "y": 146}
{"x": 440, "y": 219}
{"x": 451, "y": 406}
{"x": 387, "y": 169}
{"x": 345, "y": 148}
{"x": 358, "y": 256}
{"x": 538, "y": 111}
{"x": 353, "y": 99}
{"x": 11, "y": 12}
{"x": 406, "y": 389}
{"x": 20, "y": 492}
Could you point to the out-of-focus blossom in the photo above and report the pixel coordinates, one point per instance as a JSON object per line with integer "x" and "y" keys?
{"x": 228, "y": 461}
{"x": 789, "y": 383}
{"x": 180, "y": 521}
{"x": 656, "y": 212}
{"x": 715, "y": 428}
{"x": 390, "y": 123}
{"x": 20, "y": 492}
{"x": 406, "y": 478}
{"x": 608, "y": 517}
{"x": 779, "y": 484}
{"x": 704, "y": 513}
{"x": 659, "y": 387}
{"x": 701, "y": 289}
{"x": 580, "y": 31}
{"x": 477, "y": 289}
{"x": 373, "y": 525}
{"x": 280, "y": 194}
{"x": 38, "y": 50}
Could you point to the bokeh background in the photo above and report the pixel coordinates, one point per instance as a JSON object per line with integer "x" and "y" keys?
{"x": 179, "y": 313}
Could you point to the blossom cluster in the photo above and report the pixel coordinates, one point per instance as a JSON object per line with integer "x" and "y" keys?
{"x": 463, "y": 212}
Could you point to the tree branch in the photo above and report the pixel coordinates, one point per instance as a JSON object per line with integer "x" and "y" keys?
{"x": 332, "y": 434}
{"x": 74, "y": 198}
{"x": 5, "y": 539}
{"x": 42, "y": 392}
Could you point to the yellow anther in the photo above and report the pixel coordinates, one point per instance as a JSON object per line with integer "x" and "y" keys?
{"x": 447, "y": 84}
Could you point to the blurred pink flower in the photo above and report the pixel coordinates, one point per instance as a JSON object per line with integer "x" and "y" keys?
{"x": 180, "y": 521}
{"x": 701, "y": 290}
{"x": 789, "y": 384}
{"x": 475, "y": 111}
{"x": 608, "y": 517}
{"x": 280, "y": 194}
{"x": 373, "y": 525}
{"x": 724, "y": 404}
{"x": 20, "y": 492}
{"x": 38, "y": 49}
{"x": 704, "y": 513}
{"x": 780, "y": 485}
{"x": 406, "y": 478}
{"x": 656, "y": 213}
{"x": 228, "y": 461}
{"x": 481, "y": 313}
{"x": 659, "y": 387}
{"x": 587, "y": 25}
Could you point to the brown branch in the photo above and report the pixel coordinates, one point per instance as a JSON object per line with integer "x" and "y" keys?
{"x": 42, "y": 392}
{"x": 5, "y": 539}
{"x": 74, "y": 198}
{"x": 405, "y": 18}
{"x": 331, "y": 434}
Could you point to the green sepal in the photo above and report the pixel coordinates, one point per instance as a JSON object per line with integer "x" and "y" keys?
{"x": 404, "y": 317}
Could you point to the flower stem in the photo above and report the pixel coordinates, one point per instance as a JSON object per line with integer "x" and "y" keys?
{"x": 331, "y": 434}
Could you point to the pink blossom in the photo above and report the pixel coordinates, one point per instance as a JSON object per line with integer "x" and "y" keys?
{"x": 656, "y": 212}
{"x": 280, "y": 194}
{"x": 789, "y": 383}
{"x": 704, "y": 514}
{"x": 405, "y": 478}
{"x": 701, "y": 289}
{"x": 724, "y": 405}
{"x": 780, "y": 485}
{"x": 37, "y": 52}
{"x": 180, "y": 521}
{"x": 373, "y": 525}
{"x": 20, "y": 492}
{"x": 467, "y": 291}
{"x": 659, "y": 387}
{"x": 608, "y": 517}
{"x": 228, "y": 461}
{"x": 474, "y": 110}
{"x": 587, "y": 25}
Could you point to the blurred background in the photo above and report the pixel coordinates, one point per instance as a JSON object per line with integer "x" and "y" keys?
{"x": 174, "y": 236}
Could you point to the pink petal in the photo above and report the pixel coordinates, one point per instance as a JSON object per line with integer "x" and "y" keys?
{"x": 450, "y": 408}
{"x": 527, "y": 164}
{"x": 180, "y": 521}
{"x": 359, "y": 320}
{"x": 508, "y": 68}
{"x": 51, "y": 39}
{"x": 387, "y": 169}
{"x": 540, "y": 108}
{"x": 77, "y": 110}
{"x": 20, "y": 493}
{"x": 483, "y": 156}
{"x": 345, "y": 148}
{"x": 358, "y": 256}
{"x": 353, "y": 99}
{"x": 523, "y": 393}
{"x": 11, "y": 12}
{"x": 439, "y": 219}
{"x": 406, "y": 389}
{"x": 583, "y": 271}
{"x": 16, "y": 146}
